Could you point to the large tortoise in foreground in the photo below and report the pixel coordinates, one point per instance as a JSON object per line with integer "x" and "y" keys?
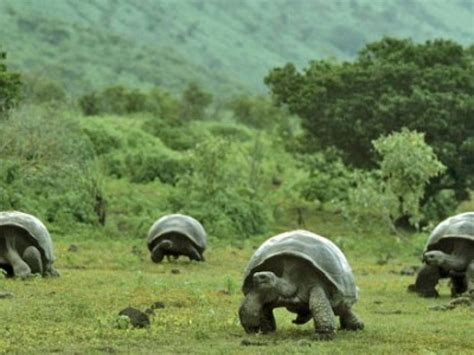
{"x": 307, "y": 274}
{"x": 26, "y": 247}
{"x": 449, "y": 252}
{"x": 175, "y": 235}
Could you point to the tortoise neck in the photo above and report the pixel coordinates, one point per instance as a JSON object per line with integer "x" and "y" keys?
{"x": 285, "y": 288}
{"x": 455, "y": 262}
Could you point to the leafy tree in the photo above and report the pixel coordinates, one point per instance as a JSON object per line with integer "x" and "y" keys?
{"x": 10, "y": 86}
{"x": 40, "y": 89}
{"x": 392, "y": 84}
{"x": 256, "y": 111}
{"x": 407, "y": 165}
{"x": 194, "y": 102}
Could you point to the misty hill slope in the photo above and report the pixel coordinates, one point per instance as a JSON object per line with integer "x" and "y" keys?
{"x": 226, "y": 45}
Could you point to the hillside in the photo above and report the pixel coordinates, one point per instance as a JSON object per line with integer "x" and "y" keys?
{"x": 225, "y": 45}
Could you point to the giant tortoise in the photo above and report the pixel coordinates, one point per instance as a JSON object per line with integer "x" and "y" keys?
{"x": 25, "y": 245}
{"x": 175, "y": 235}
{"x": 449, "y": 252}
{"x": 307, "y": 274}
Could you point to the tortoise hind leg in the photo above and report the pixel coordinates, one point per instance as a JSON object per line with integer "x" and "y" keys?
{"x": 458, "y": 284}
{"x": 323, "y": 315}
{"x": 350, "y": 321}
{"x": 20, "y": 268}
{"x": 302, "y": 317}
{"x": 32, "y": 257}
{"x": 426, "y": 280}
{"x": 470, "y": 279}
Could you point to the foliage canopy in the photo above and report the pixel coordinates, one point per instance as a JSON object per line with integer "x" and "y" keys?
{"x": 392, "y": 84}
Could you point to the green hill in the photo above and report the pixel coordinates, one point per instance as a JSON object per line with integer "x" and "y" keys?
{"x": 223, "y": 44}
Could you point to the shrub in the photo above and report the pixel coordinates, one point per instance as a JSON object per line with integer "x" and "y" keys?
{"x": 48, "y": 167}
{"x": 218, "y": 191}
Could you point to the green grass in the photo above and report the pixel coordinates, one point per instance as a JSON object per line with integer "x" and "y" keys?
{"x": 77, "y": 313}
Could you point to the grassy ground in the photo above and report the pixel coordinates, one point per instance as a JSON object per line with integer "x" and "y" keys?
{"x": 78, "y": 311}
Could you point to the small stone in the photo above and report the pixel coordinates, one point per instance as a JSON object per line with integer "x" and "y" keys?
{"x": 246, "y": 342}
{"x": 5, "y": 294}
{"x": 409, "y": 270}
{"x": 149, "y": 311}
{"x": 73, "y": 248}
{"x": 157, "y": 305}
{"x": 460, "y": 301}
{"x": 439, "y": 307}
{"x": 138, "y": 319}
{"x": 175, "y": 271}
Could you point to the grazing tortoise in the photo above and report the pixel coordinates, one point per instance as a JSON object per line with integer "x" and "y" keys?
{"x": 305, "y": 273}
{"x": 26, "y": 247}
{"x": 449, "y": 252}
{"x": 175, "y": 235}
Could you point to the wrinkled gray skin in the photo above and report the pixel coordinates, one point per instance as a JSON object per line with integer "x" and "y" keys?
{"x": 449, "y": 253}
{"x": 20, "y": 252}
{"x": 301, "y": 289}
{"x": 175, "y": 235}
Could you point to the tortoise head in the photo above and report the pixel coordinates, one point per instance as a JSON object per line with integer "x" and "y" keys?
{"x": 265, "y": 280}
{"x": 435, "y": 257}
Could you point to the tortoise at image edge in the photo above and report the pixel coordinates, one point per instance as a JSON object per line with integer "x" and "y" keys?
{"x": 307, "y": 274}
{"x": 26, "y": 247}
{"x": 175, "y": 235}
{"x": 449, "y": 252}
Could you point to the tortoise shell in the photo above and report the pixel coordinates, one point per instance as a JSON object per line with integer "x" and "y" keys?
{"x": 184, "y": 225}
{"x": 35, "y": 229}
{"x": 326, "y": 258}
{"x": 445, "y": 234}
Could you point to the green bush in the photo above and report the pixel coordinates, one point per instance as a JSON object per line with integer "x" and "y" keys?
{"x": 10, "y": 86}
{"x": 128, "y": 151}
{"x": 329, "y": 179}
{"x": 144, "y": 165}
{"x": 113, "y": 100}
{"x": 176, "y": 136}
{"x": 48, "y": 167}
{"x": 220, "y": 190}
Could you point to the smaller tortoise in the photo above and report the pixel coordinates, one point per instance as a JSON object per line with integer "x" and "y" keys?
{"x": 307, "y": 274}
{"x": 175, "y": 235}
{"x": 26, "y": 247}
{"x": 449, "y": 252}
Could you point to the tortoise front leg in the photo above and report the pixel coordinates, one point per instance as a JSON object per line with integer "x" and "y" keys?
{"x": 267, "y": 322}
{"x": 350, "y": 321}
{"x": 323, "y": 315}
{"x": 20, "y": 268}
{"x": 160, "y": 249}
{"x": 32, "y": 257}
{"x": 251, "y": 312}
{"x": 470, "y": 279}
{"x": 426, "y": 280}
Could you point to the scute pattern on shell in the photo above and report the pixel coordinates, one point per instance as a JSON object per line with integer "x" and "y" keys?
{"x": 460, "y": 226}
{"x": 323, "y": 254}
{"x": 33, "y": 226}
{"x": 185, "y": 225}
